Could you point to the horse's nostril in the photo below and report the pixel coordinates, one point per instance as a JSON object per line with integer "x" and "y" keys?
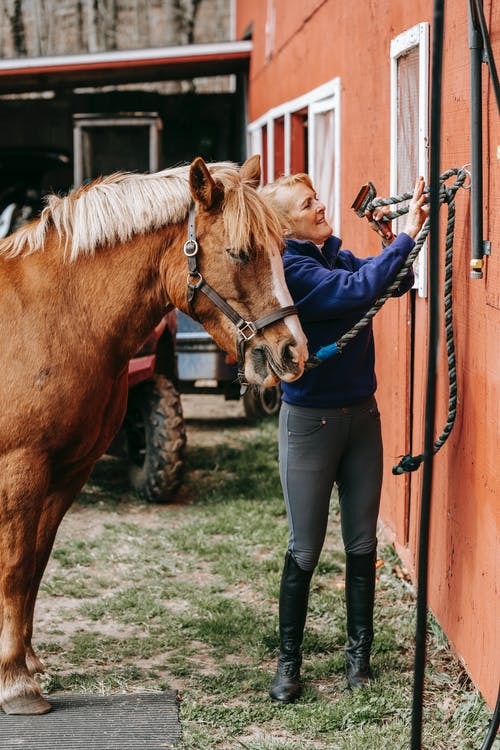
{"x": 259, "y": 360}
{"x": 288, "y": 357}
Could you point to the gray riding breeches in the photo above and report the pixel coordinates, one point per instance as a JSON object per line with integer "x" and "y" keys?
{"x": 318, "y": 447}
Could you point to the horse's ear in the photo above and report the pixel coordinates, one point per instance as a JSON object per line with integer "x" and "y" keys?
{"x": 204, "y": 189}
{"x": 250, "y": 171}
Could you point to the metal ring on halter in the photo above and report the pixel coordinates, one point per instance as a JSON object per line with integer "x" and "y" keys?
{"x": 243, "y": 327}
{"x": 469, "y": 175}
{"x": 198, "y": 283}
{"x": 191, "y": 244}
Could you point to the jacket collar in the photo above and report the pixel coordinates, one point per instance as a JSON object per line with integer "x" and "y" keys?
{"x": 326, "y": 256}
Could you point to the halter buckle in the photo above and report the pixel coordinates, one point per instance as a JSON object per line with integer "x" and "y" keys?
{"x": 246, "y": 329}
{"x": 190, "y": 248}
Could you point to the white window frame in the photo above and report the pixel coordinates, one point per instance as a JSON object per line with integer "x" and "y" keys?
{"x": 316, "y": 101}
{"x": 417, "y": 36}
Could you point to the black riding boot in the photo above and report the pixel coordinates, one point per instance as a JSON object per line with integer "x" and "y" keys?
{"x": 294, "y": 595}
{"x": 359, "y": 595}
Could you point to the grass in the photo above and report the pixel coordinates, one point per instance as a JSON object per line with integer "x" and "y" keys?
{"x": 184, "y": 597}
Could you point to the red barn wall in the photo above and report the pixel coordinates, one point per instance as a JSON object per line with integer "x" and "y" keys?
{"x": 314, "y": 42}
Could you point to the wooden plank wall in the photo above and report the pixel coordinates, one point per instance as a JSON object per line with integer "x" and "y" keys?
{"x": 307, "y": 44}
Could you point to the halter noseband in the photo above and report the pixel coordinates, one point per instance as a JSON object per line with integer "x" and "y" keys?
{"x": 246, "y": 329}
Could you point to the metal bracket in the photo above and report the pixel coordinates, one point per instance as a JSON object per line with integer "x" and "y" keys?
{"x": 486, "y": 247}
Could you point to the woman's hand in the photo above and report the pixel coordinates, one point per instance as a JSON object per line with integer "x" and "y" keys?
{"x": 381, "y": 227}
{"x": 418, "y": 209}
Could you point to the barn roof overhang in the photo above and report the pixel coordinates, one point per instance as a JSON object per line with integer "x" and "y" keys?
{"x": 32, "y": 74}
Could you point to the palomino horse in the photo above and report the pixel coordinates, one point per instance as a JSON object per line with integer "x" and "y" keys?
{"x": 81, "y": 288}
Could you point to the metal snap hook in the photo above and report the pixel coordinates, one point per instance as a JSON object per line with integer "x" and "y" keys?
{"x": 469, "y": 175}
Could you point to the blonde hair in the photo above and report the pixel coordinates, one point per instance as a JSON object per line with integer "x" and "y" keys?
{"x": 277, "y": 195}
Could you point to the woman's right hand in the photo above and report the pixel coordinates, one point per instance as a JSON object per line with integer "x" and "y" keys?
{"x": 418, "y": 209}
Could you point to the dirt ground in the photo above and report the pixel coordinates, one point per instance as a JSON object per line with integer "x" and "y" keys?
{"x": 206, "y": 417}
{"x": 203, "y": 413}
{"x": 205, "y": 407}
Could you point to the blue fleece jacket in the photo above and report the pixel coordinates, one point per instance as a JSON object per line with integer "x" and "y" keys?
{"x": 332, "y": 290}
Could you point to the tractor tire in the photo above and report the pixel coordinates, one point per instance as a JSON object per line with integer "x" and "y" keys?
{"x": 156, "y": 439}
{"x": 261, "y": 402}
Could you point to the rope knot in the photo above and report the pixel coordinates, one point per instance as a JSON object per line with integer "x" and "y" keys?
{"x": 447, "y": 193}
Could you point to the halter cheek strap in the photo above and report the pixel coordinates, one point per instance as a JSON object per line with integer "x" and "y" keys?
{"x": 245, "y": 329}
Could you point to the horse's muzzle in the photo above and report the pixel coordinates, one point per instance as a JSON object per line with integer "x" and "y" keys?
{"x": 270, "y": 367}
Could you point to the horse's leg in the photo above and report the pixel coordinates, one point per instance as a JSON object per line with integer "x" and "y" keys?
{"x": 23, "y": 486}
{"x": 53, "y": 511}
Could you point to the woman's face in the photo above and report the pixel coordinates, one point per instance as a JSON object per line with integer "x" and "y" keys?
{"x": 306, "y": 215}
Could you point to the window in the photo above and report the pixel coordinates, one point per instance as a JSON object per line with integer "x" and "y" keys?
{"x": 297, "y": 147}
{"x": 303, "y": 135}
{"x": 107, "y": 143}
{"x": 279, "y": 145}
{"x": 409, "y": 121}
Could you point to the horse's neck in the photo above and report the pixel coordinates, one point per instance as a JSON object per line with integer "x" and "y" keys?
{"x": 123, "y": 294}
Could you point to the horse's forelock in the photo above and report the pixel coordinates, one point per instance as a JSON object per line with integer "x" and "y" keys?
{"x": 248, "y": 221}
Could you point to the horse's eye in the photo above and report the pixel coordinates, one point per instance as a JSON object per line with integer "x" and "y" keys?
{"x": 241, "y": 256}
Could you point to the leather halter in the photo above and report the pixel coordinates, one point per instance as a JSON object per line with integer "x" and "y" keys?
{"x": 245, "y": 329}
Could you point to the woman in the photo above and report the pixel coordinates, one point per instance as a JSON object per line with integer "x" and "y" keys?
{"x": 329, "y": 428}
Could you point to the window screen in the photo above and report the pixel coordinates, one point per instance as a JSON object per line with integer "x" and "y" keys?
{"x": 409, "y": 123}
{"x": 407, "y": 114}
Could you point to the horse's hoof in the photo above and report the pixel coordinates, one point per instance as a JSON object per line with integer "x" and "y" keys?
{"x": 26, "y": 704}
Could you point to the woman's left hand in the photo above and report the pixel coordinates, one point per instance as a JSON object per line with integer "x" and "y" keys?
{"x": 418, "y": 209}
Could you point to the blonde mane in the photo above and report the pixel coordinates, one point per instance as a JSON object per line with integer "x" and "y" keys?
{"x": 115, "y": 208}
{"x": 248, "y": 220}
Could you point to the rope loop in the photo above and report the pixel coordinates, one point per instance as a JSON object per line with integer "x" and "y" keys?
{"x": 447, "y": 195}
{"x": 447, "y": 192}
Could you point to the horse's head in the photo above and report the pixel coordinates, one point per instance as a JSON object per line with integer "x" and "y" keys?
{"x": 238, "y": 254}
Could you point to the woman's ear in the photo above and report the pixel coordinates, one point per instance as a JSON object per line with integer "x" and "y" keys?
{"x": 287, "y": 232}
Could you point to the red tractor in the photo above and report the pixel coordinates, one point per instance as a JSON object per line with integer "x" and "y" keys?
{"x": 153, "y": 436}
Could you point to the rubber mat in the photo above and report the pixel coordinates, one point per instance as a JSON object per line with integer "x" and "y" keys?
{"x": 132, "y": 721}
